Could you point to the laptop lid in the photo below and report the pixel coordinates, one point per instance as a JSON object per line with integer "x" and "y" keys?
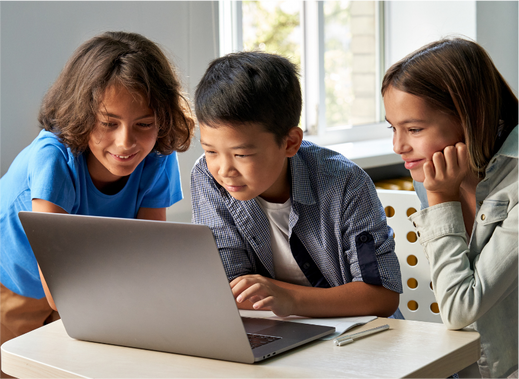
{"x": 149, "y": 284}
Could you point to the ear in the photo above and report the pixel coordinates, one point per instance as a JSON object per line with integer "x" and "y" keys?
{"x": 293, "y": 141}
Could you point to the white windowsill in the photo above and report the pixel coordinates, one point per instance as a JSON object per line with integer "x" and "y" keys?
{"x": 370, "y": 153}
{"x": 368, "y": 145}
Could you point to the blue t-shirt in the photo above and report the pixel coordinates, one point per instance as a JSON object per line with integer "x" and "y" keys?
{"x": 47, "y": 170}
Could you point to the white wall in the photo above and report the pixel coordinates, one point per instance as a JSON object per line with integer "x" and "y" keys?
{"x": 497, "y": 32}
{"x": 412, "y": 24}
{"x": 37, "y": 38}
{"x": 493, "y": 24}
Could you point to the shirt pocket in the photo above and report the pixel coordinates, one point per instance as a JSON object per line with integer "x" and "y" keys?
{"x": 492, "y": 211}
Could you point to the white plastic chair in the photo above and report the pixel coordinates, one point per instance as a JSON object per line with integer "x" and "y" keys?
{"x": 417, "y": 302}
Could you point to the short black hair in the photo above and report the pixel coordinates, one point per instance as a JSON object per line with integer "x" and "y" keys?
{"x": 250, "y": 88}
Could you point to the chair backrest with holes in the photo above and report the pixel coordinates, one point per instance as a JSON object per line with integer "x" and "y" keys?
{"x": 417, "y": 302}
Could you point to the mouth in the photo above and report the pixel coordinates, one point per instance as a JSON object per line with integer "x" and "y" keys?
{"x": 123, "y": 157}
{"x": 233, "y": 188}
{"x": 410, "y": 163}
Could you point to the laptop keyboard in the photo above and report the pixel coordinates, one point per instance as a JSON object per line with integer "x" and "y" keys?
{"x": 257, "y": 340}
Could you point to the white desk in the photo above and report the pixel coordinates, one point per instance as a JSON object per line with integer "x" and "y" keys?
{"x": 408, "y": 349}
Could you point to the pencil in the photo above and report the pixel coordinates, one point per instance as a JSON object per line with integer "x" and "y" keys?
{"x": 349, "y": 338}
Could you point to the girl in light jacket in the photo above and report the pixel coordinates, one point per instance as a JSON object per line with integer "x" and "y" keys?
{"x": 454, "y": 120}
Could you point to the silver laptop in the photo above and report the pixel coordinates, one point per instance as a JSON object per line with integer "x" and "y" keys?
{"x": 152, "y": 285}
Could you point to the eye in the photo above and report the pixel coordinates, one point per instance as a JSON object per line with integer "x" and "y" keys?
{"x": 391, "y": 127}
{"x": 415, "y": 130}
{"x": 145, "y": 125}
{"x": 108, "y": 124}
{"x": 241, "y": 156}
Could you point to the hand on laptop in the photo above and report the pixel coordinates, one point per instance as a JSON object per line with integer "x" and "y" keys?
{"x": 285, "y": 299}
{"x": 264, "y": 294}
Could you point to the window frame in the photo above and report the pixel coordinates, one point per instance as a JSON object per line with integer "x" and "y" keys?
{"x": 312, "y": 60}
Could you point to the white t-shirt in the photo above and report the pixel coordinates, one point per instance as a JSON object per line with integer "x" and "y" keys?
{"x": 285, "y": 266}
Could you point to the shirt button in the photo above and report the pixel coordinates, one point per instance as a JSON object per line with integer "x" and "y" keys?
{"x": 483, "y": 217}
{"x": 363, "y": 238}
{"x": 306, "y": 266}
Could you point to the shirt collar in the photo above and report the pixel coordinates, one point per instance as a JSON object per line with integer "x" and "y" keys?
{"x": 509, "y": 148}
{"x": 302, "y": 191}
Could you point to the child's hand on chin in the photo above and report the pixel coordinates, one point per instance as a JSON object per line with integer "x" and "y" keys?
{"x": 444, "y": 174}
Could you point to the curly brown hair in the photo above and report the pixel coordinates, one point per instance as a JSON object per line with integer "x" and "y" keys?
{"x": 70, "y": 107}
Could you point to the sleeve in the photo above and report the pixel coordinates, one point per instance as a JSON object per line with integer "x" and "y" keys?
{"x": 209, "y": 208}
{"x": 466, "y": 291}
{"x": 421, "y": 192}
{"x": 367, "y": 239}
{"x": 160, "y": 182}
{"x": 51, "y": 178}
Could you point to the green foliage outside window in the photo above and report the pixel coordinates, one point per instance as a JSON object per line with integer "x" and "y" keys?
{"x": 337, "y": 62}
{"x": 274, "y": 27}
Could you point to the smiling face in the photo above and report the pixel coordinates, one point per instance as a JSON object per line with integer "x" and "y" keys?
{"x": 125, "y": 133}
{"x": 247, "y": 161}
{"x": 418, "y": 129}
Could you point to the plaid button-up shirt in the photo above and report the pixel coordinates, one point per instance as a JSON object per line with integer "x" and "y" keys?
{"x": 335, "y": 213}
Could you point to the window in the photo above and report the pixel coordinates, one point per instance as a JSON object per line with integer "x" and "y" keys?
{"x": 338, "y": 46}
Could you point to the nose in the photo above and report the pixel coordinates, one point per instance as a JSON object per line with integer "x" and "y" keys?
{"x": 400, "y": 145}
{"x": 126, "y": 138}
{"x": 226, "y": 168}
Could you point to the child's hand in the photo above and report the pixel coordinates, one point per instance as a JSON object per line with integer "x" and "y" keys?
{"x": 263, "y": 293}
{"x": 444, "y": 174}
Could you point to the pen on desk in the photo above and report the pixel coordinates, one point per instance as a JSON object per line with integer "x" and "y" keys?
{"x": 348, "y": 338}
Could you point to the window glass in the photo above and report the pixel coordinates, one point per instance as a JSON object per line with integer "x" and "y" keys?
{"x": 274, "y": 27}
{"x": 350, "y": 68}
{"x": 337, "y": 47}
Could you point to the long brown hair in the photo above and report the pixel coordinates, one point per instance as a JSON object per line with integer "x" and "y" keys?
{"x": 457, "y": 76}
{"x": 70, "y": 107}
